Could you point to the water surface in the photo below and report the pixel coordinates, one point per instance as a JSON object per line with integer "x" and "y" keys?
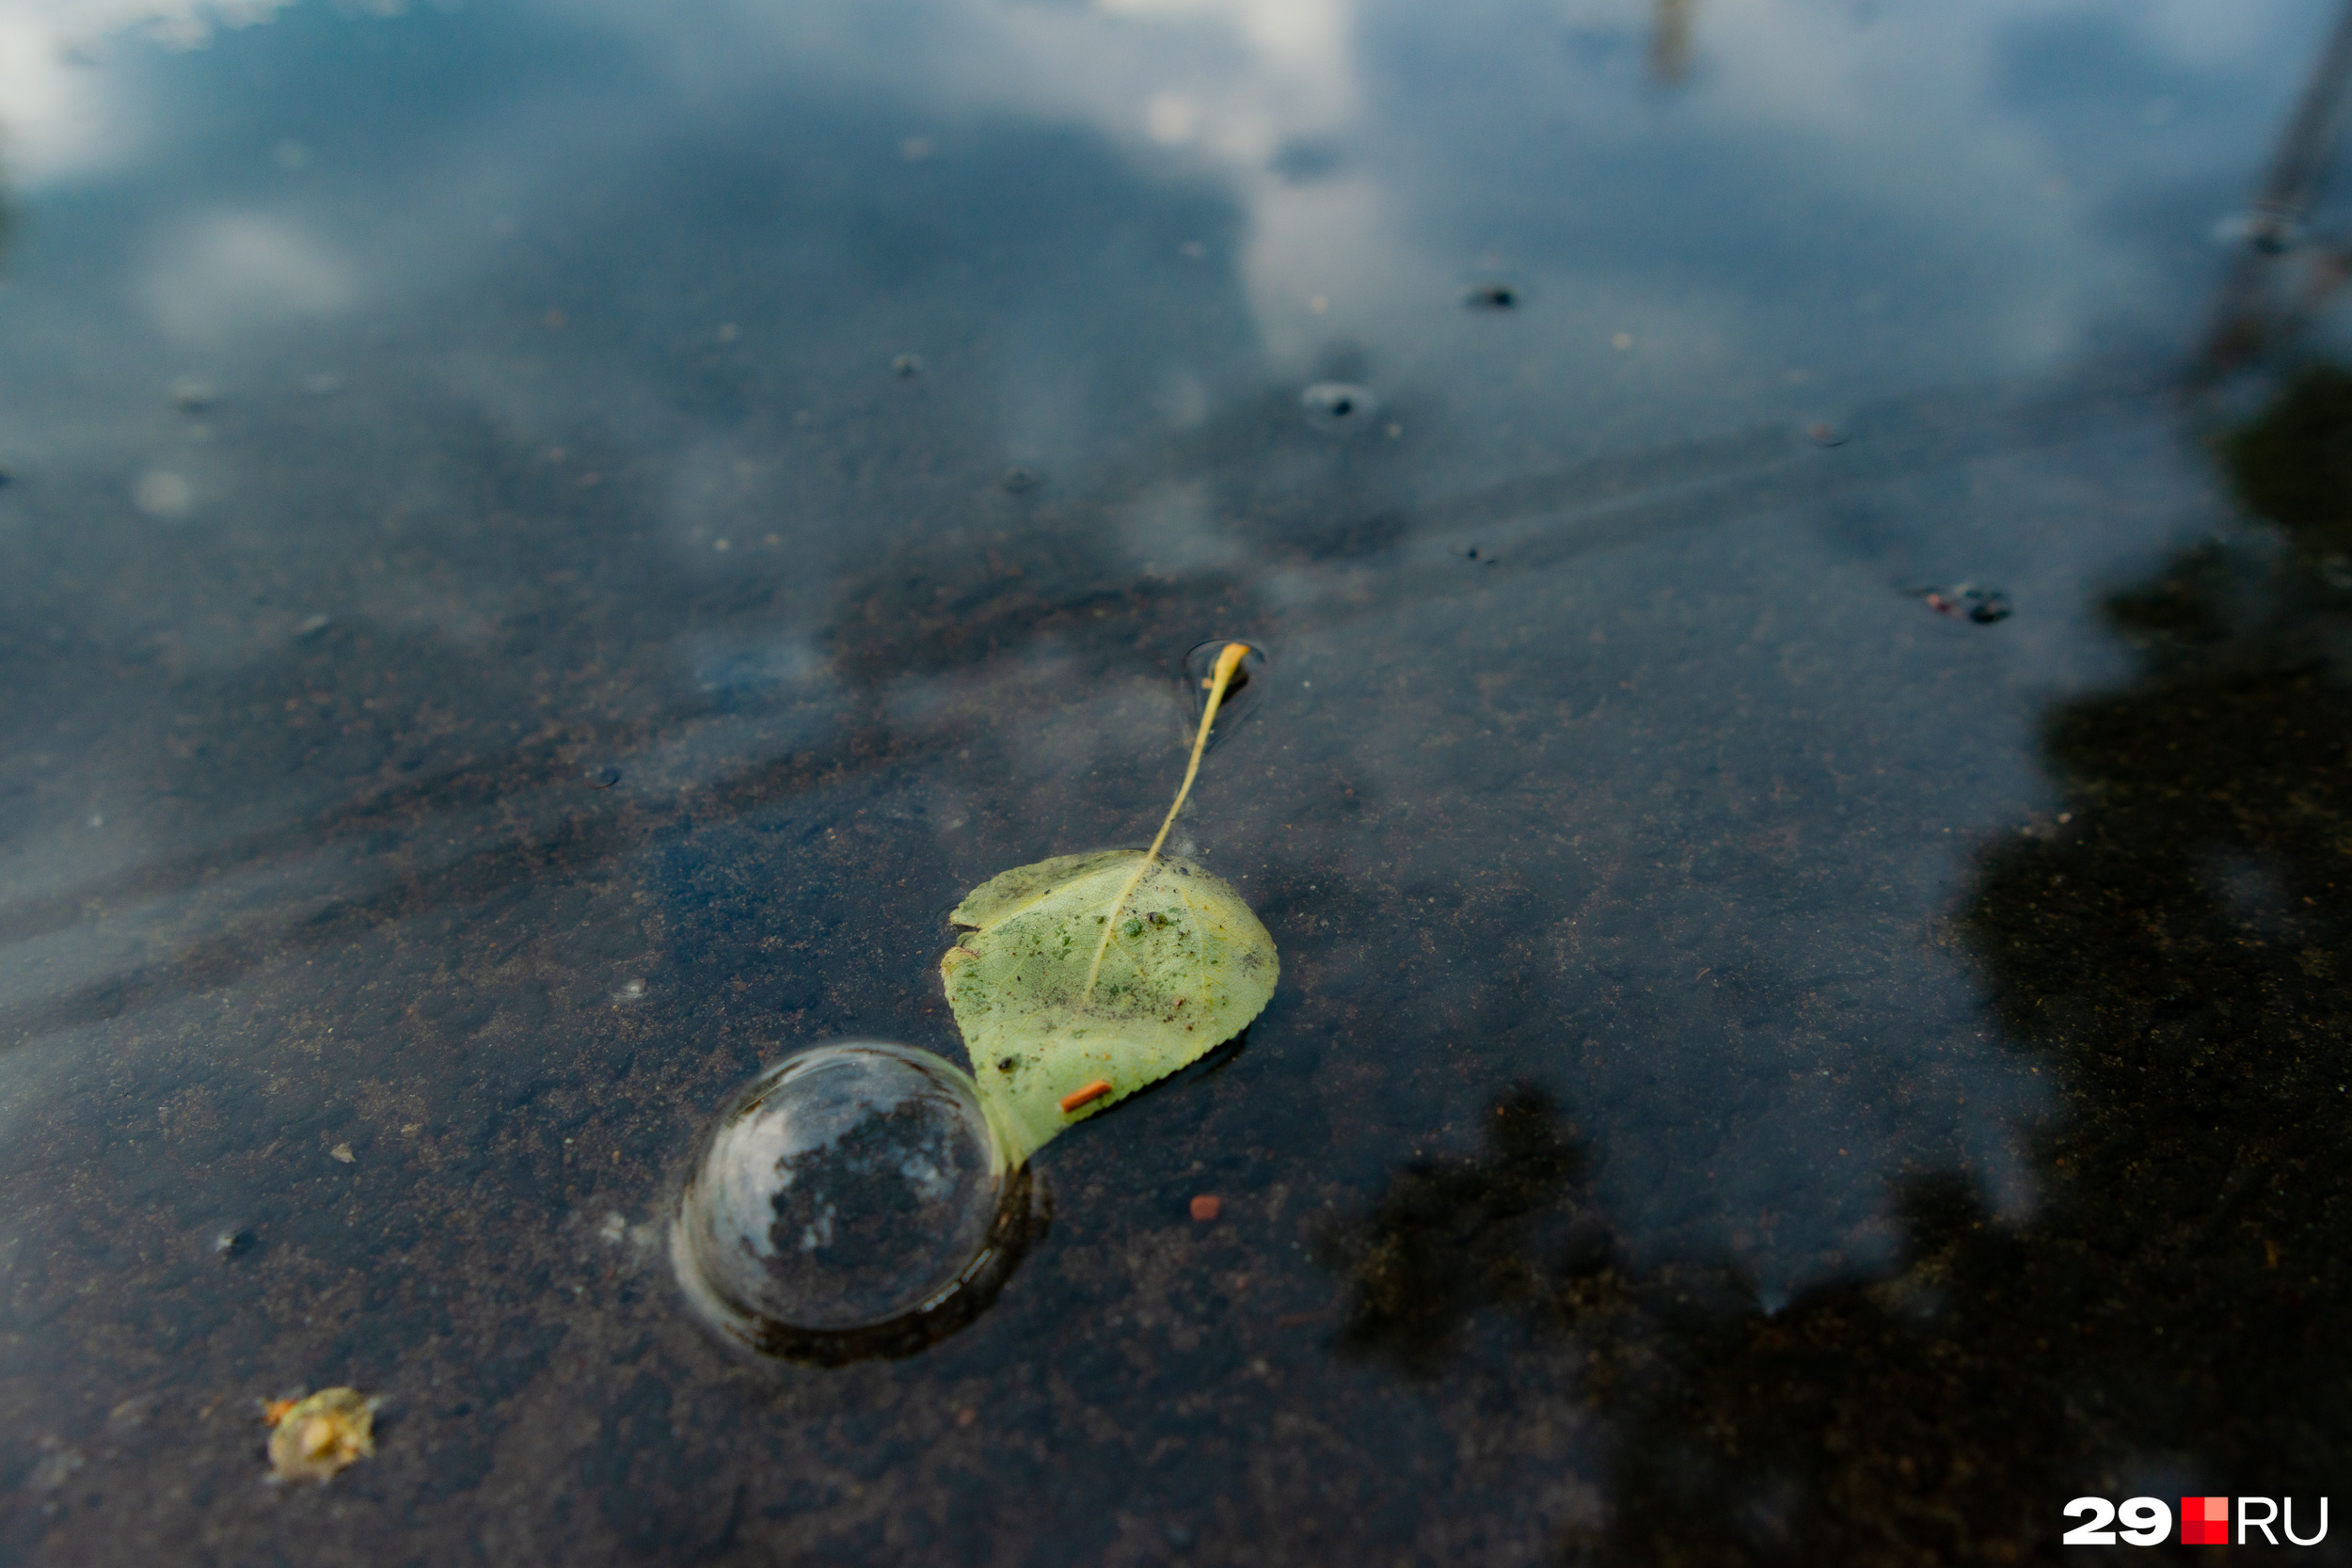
{"x": 545, "y": 548}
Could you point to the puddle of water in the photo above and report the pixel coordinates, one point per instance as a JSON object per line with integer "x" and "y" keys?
{"x": 1757, "y": 1058}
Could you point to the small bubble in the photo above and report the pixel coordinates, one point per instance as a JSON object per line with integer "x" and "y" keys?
{"x": 851, "y": 1201}
{"x": 1340, "y": 407}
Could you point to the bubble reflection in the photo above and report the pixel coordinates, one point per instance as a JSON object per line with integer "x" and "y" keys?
{"x": 851, "y": 1202}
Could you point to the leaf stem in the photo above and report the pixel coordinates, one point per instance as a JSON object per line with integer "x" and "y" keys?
{"x": 1227, "y": 662}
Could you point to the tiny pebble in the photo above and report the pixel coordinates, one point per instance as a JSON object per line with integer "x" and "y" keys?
{"x": 1206, "y": 1207}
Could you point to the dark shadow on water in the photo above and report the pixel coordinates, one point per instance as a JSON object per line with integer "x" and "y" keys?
{"x": 2174, "y": 952}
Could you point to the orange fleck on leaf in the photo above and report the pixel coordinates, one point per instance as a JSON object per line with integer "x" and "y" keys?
{"x": 1087, "y": 1096}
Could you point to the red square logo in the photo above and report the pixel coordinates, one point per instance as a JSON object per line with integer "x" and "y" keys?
{"x": 2204, "y": 1521}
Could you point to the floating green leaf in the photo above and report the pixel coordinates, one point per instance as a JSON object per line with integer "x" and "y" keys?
{"x": 1085, "y": 978}
{"x": 1187, "y": 967}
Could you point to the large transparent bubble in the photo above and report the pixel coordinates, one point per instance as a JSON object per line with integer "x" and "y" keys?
{"x": 850, "y": 1202}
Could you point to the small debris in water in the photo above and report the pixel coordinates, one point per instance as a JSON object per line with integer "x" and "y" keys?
{"x": 341, "y": 1152}
{"x": 1492, "y": 297}
{"x": 1823, "y": 433}
{"x": 1340, "y": 407}
{"x": 313, "y": 1438}
{"x": 603, "y": 778}
{"x": 1193, "y": 250}
{"x": 231, "y": 1243}
{"x": 1079, "y": 1098}
{"x": 191, "y": 396}
{"x": 2335, "y": 571}
{"x": 632, "y": 990}
{"x": 1206, "y": 1207}
{"x": 906, "y": 366}
{"x": 1020, "y": 479}
{"x": 1983, "y": 606}
{"x": 311, "y": 626}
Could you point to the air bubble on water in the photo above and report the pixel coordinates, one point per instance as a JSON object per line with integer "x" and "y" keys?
{"x": 1340, "y": 407}
{"x": 853, "y": 1201}
{"x": 1242, "y": 693}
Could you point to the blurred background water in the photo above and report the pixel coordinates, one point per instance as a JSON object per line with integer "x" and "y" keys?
{"x": 545, "y": 547}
